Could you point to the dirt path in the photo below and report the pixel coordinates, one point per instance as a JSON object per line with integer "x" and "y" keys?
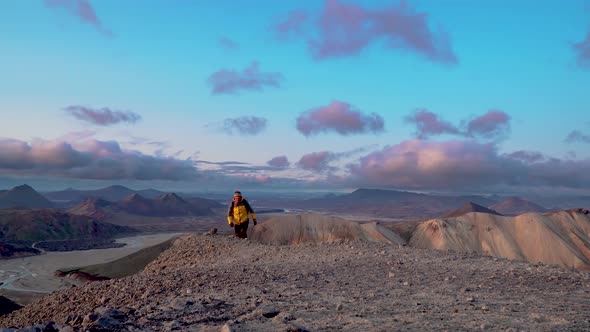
{"x": 205, "y": 282}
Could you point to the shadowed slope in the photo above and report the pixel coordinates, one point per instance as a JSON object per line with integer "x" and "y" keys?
{"x": 315, "y": 228}
{"x": 23, "y": 197}
{"x": 121, "y": 267}
{"x": 555, "y": 238}
{"x": 469, "y": 207}
{"x": 515, "y": 206}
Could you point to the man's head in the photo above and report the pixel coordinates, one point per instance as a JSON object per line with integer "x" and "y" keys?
{"x": 237, "y": 196}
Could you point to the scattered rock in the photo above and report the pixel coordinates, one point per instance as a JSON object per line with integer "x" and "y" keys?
{"x": 292, "y": 327}
{"x": 268, "y": 311}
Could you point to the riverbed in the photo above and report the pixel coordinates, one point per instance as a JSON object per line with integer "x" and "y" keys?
{"x": 23, "y": 279}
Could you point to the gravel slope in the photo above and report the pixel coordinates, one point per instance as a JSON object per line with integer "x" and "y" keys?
{"x": 206, "y": 282}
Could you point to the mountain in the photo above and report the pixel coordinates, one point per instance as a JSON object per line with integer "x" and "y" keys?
{"x": 387, "y": 204}
{"x": 515, "y": 206}
{"x": 561, "y": 237}
{"x": 93, "y": 207}
{"x": 111, "y": 193}
{"x": 48, "y": 224}
{"x": 167, "y": 205}
{"x": 23, "y": 197}
{"x": 469, "y": 207}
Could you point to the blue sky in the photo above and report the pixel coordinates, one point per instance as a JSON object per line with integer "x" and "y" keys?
{"x": 453, "y": 61}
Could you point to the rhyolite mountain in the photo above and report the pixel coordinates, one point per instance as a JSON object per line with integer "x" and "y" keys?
{"x": 23, "y": 196}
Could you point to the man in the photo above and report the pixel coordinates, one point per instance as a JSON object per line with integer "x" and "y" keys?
{"x": 237, "y": 215}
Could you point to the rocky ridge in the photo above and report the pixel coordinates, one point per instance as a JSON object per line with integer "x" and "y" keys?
{"x": 219, "y": 283}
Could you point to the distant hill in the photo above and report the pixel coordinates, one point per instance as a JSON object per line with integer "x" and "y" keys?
{"x": 111, "y": 193}
{"x": 388, "y": 203}
{"x": 49, "y": 224}
{"x": 469, "y": 207}
{"x": 167, "y": 205}
{"x": 560, "y": 237}
{"x": 8, "y": 250}
{"x": 23, "y": 197}
{"x": 516, "y": 205}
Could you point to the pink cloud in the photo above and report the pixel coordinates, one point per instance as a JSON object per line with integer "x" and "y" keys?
{"x": 292, "y": 24}
{"x": 228, "y": 44}
{"x": 231, "y": 81}
{"x": 90, "y": 159}
{"x": 244, "y": 125}
{"x": 280, "y": 161}
{"x": 83, "y": 10}
{"x": 583, "y": 51}
{"x": 339, "y": 117}
{"x": 429, "y": 124}
{"x": 455, "y": 165}
{"x": 316, "y": 161}
{"x": 101, "y": 116}
{"x": 492, "y": 124}
{"x": 345, "y": 29}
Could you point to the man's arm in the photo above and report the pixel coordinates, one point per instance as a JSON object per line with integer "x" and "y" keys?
{"x": 249, "y": 209}
{"x": 230, "y": 214}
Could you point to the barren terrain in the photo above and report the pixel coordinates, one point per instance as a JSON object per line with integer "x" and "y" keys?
{"x": 208, "y": 282}
{"x": 31, "y": 277}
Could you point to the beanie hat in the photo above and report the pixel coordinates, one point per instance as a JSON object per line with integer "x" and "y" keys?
{"x": 237, "y": 193}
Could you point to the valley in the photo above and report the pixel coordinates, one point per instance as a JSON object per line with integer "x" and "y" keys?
{"x": 31, "y": 277}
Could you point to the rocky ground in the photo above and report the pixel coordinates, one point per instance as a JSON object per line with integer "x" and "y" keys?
{"x": 219, "y": 283}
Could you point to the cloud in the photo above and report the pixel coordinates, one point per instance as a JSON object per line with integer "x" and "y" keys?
{"x": 231, "y": 81}
{"x": 245, "y": 125}
{"x": 280, "y": 161}
{"x": 582, "y": 50}
{"x": 456, "y": 165}
{"x": 577, "y": 136}
{"x": 103, "y": 116}
{"x": 91, "y": 159}
{"x": 491, "y": 125}
{"x": 291, "y": 24}
{"x": 245, "y": 179}
{"x": 316, "y": 161}
{"x": 429, "y": 124}
{"x": 219, "y": 163}
{"x": 527, "y": 156}
{"x": 83, "y": 10}
{"x": 346, "y": 29}
{"x": 228, "y": 44}
{"x": 338, "y": 117}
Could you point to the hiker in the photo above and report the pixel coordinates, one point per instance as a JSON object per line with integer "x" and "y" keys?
{"x": 237, "y": 215}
